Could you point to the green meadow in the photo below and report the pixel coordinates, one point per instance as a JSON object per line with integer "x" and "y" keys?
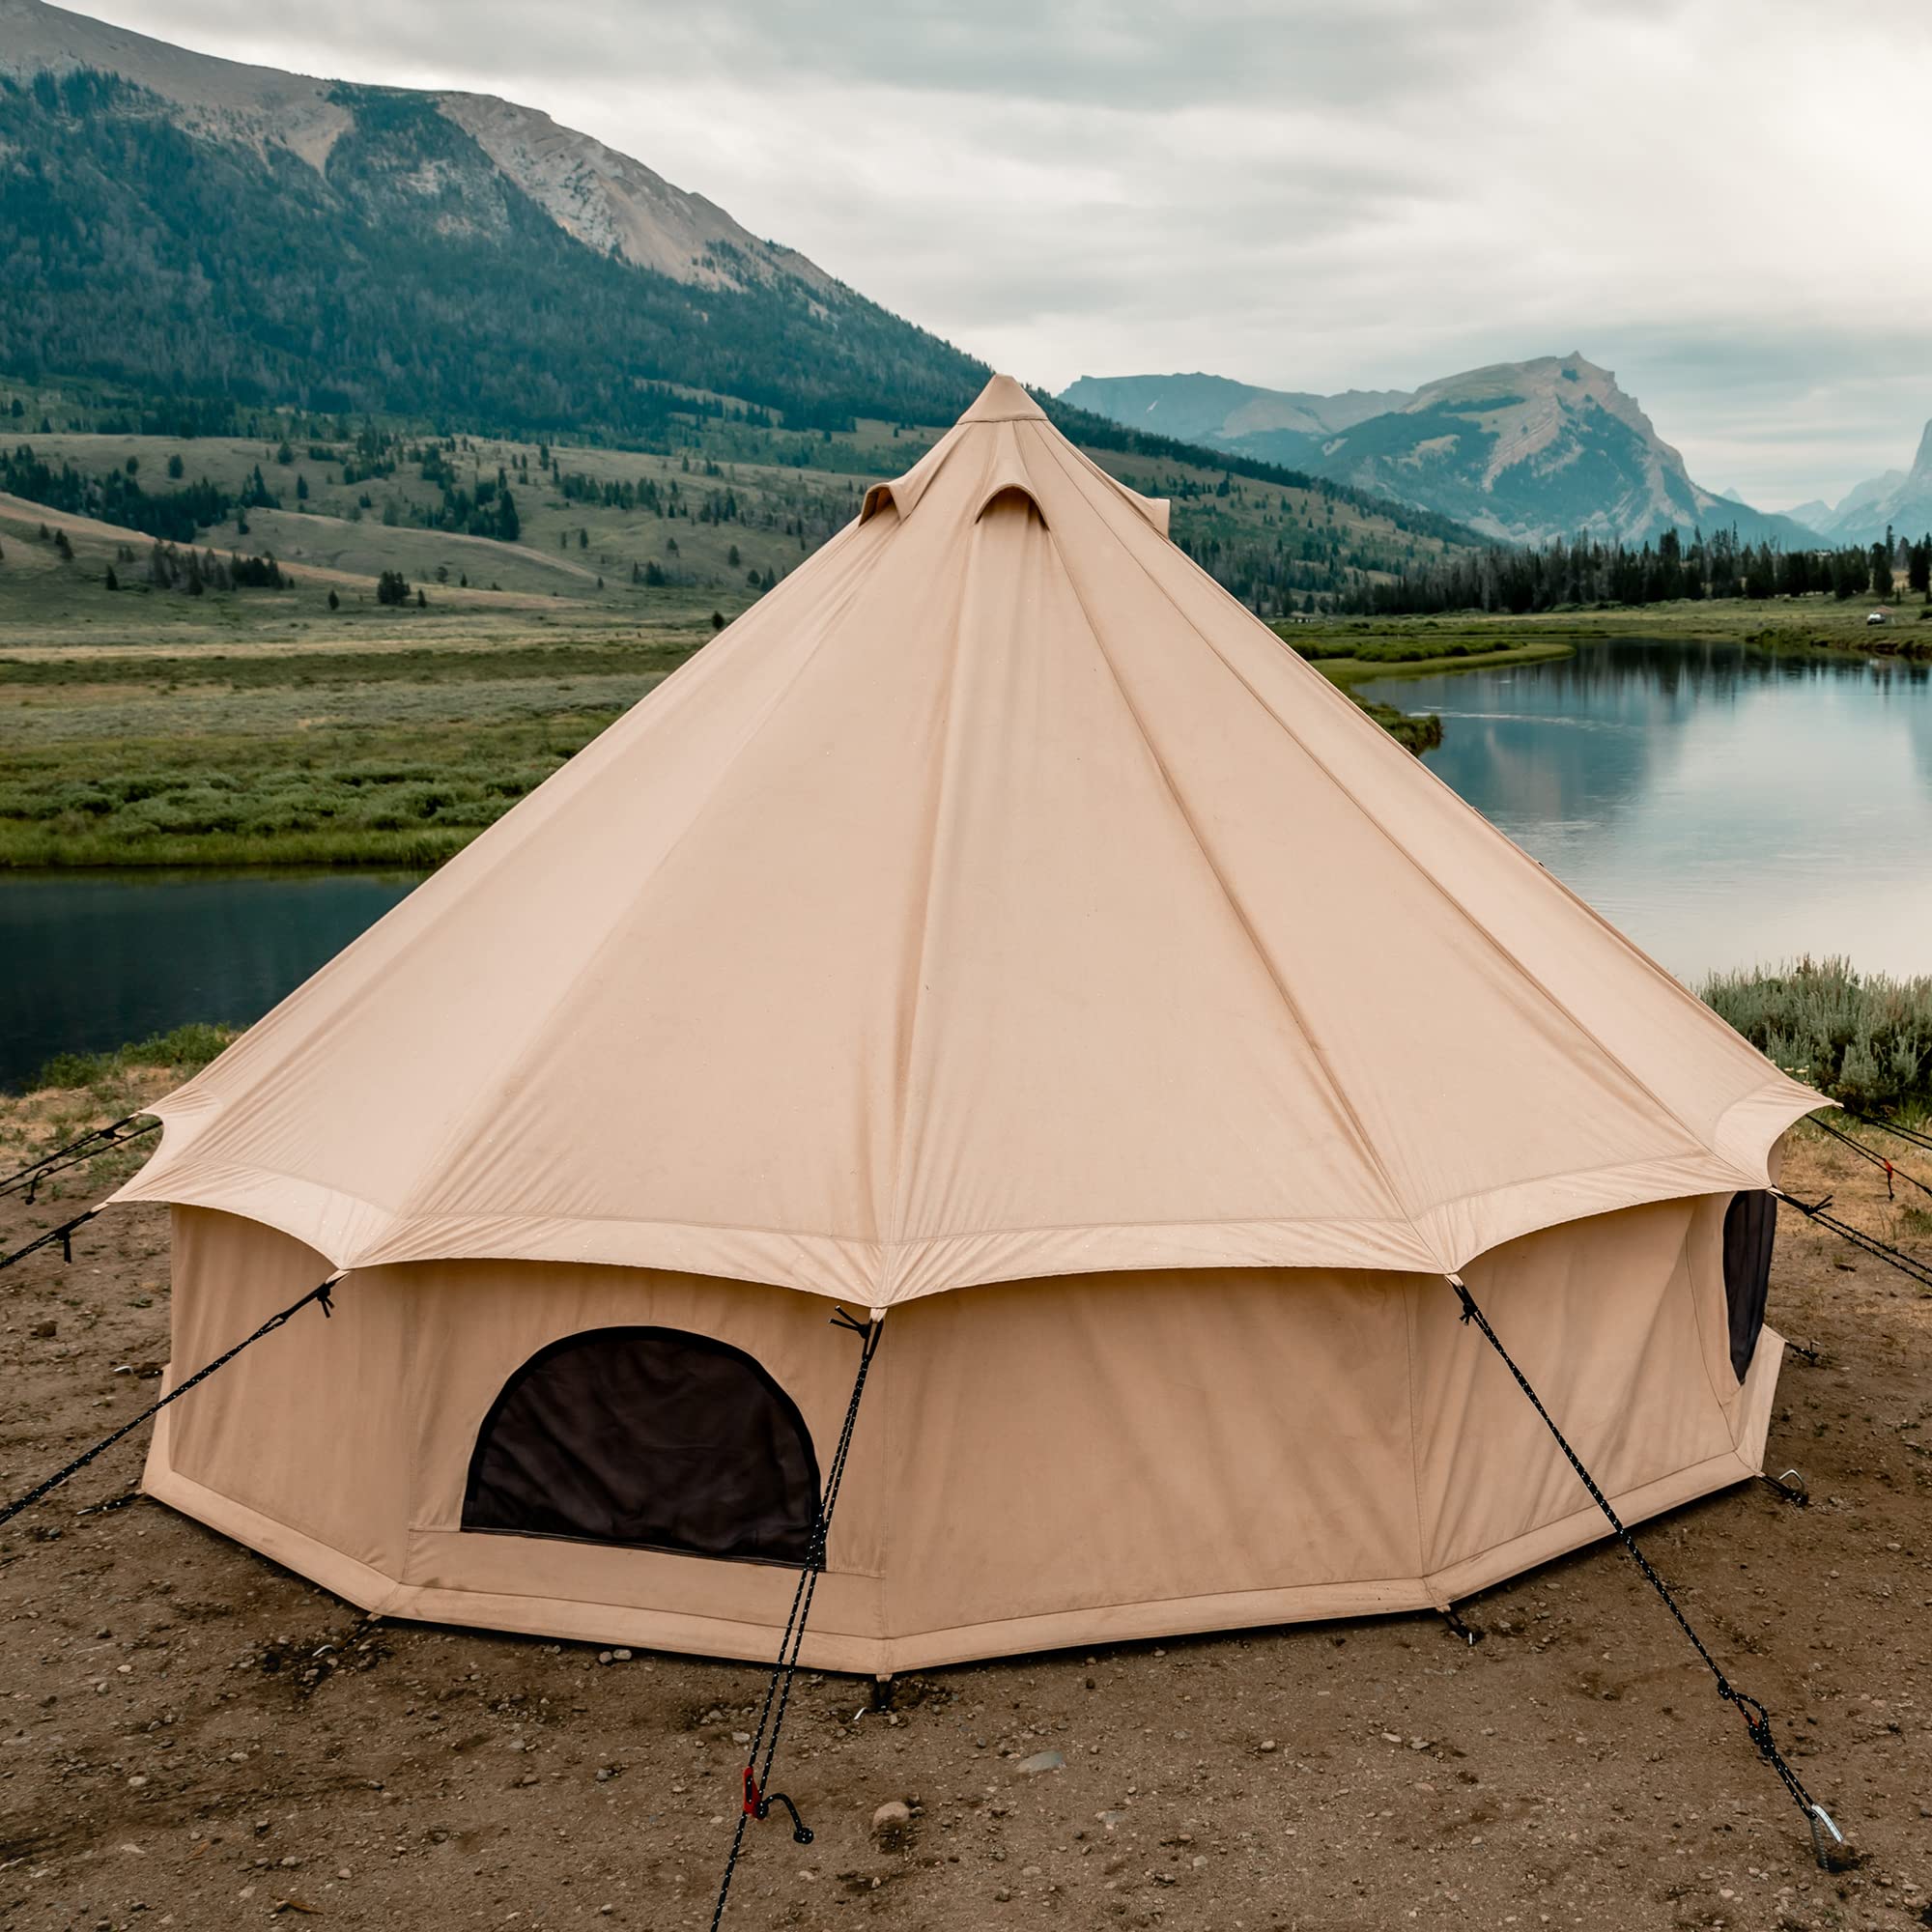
{"x": 318, "y": 723}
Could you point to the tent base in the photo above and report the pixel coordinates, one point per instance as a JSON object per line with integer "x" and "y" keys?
{"x": 862, "y": 1655}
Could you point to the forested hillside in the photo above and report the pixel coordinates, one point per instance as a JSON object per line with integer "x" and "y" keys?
{"x": 408, "y": 274}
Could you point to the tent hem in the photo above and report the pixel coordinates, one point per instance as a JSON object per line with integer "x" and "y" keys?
{"x": 371, "y": 1589}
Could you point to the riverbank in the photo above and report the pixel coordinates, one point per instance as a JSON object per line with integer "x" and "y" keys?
{"x": 1796, "y": 624}
{"x": 211, "y": 1738}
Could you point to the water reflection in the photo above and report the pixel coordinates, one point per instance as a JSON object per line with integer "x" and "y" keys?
{"x": 1723, "y": 804}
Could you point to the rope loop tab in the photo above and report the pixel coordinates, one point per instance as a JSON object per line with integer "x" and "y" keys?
{"x": 63, "y": 1234}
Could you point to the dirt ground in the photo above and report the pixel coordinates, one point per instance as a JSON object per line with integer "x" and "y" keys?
{"x": 192, "y": 1737}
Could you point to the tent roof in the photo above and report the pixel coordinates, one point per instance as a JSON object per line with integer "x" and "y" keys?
{"x": 997, "y": 897}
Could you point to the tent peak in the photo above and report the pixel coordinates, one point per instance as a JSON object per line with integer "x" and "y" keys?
{"x": 1003, "y": 400}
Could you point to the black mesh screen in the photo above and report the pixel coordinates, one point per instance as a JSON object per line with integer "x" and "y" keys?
{"x": 1750, "y": 1226}
{"x": 651, "y": 1437}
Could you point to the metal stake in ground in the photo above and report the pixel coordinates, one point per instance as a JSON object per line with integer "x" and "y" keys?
{"x": 1757, "y": 1721}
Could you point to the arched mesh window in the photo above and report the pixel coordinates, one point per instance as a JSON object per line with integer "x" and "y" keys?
{"x": 649, "y": 1437}
{"x": 1750, "y": 1226}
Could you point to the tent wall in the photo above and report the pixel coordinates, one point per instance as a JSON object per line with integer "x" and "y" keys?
{"x": 1037, "y": 1463}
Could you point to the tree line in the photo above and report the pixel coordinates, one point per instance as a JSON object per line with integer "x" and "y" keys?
{"x": 1582, "y": 571}
{"x": 174, "y": 516}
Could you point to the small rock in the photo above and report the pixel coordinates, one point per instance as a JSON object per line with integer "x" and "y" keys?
{"x": 43, "y": 1331}
{"x": 891, "y": 1825}
{"x": 603, "y": 1656}
{"x": 621, "y": 1655}
{"x": 1268, "y": 1744}
{"x": 1039, "y": 1761}
{"x": 135, "y": 1782}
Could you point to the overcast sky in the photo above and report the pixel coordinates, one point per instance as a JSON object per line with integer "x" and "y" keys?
{"x": 1721, "y": 200}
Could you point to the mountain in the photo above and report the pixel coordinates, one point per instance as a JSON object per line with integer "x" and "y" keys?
{"x": 186, "y": 223}
{"x": 1899, "y": 501}
{"x": 1216, "y": 409}
{"x": 1520, "y": 451}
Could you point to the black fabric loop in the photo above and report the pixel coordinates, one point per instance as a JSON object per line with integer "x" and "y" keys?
{"x": 63, "y": 1234}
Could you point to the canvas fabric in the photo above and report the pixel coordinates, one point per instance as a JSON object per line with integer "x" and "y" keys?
{"x": 996, "y": 899}
{"x": 1072, "y": 1461}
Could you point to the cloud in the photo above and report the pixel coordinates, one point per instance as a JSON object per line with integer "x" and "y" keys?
{"x": 1711, "y": 197}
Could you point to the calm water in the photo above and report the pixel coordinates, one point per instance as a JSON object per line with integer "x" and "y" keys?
{"x": 1725, "y": 806}
{"x": 90, "y": 959}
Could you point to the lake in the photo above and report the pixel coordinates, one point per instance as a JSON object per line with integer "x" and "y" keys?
{"x": 1723, "y": 806}
{"x": 91, "y": 959}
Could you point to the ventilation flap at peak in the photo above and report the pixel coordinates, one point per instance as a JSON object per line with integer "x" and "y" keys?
{"x": 1010, "y": 494}
{"x": 903, "y": 494}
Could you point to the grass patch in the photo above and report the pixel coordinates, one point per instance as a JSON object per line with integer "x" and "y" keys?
{"x": 1801, "y": 625}
{"x": 182, "y": 1052}
{"x": 408, "y": 798}
{"x": 1402, "y": 659}
{"x": 75, "y": 1093}
{"x": 1415, "y": 731}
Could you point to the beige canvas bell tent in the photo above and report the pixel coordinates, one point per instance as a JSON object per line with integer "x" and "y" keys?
{"x": 998, "y": 926}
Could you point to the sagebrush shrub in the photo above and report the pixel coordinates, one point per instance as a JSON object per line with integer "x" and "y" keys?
{"x": 1863, "y": 1038}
